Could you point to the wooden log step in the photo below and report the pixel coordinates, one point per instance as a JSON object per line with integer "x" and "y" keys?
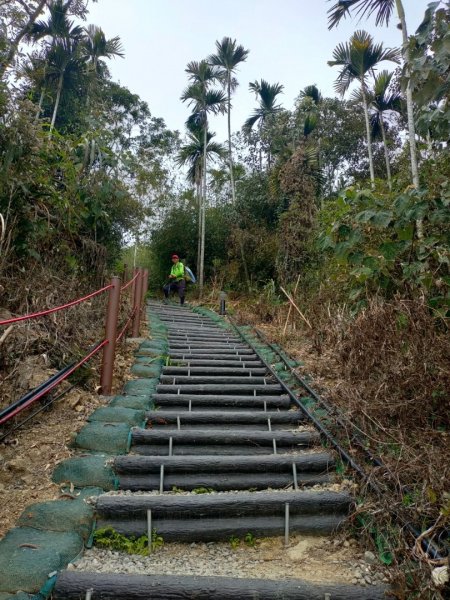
{"x": 176, "y": 337}
{"x": 244, "y": 379}
{"x": 222, "y": 528}
{"x": 199, "y": 362}
{"x": 206, "y": 345}
{"x": 220, "y": 482}
{"x": 213, "y": 402}
{"x": 206, "y": 351}
{"x": 241, "y": 504}
{"x": 221, "y": 389}
{"x": 157, "y": 418}
{"x": 72, "y": 585}
{"x": 305, "y": 462}
{"x": 183, "y": 324}
{"x": 206, "y": 437}
{"x": 211, "y": 450}
{"x": 241, "y": 371}
{"x": 213, "y": 357}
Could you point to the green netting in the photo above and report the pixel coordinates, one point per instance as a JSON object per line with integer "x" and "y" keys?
{"x": 62, "y": 515}
{"x": 117, "y": 414}
{"x": 28, "y": 555}
{"x": 97, "y": 436}
{"x": 142, "y": 370}
{"x": 157, "y": 345}
{"x": 156, "y": 361}
{"x": 135, "y": 402}
{"x": 155, "y": 354}
{"x": 141, "y": 387}
{"x": 86, "y": 471}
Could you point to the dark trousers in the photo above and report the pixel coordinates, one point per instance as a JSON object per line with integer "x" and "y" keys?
{"x": 176, "y": 286}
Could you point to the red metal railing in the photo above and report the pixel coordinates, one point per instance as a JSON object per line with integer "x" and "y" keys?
{"x": 138, "y": 283}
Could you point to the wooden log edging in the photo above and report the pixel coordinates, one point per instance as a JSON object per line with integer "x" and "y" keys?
{"x": 221, "y": 505}
{"x": 73, "y": 586}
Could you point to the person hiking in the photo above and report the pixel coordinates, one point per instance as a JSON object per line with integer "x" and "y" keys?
{"x": 177, "y": 281}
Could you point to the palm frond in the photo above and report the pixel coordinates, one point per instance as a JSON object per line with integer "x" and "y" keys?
{"x": 250, "y": 122}
{"x": 312, "y": 91}
{"x": 342, "y": 9}
{"x": 228, "y": 55}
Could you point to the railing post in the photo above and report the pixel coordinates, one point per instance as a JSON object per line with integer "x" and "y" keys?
{"x": 109, "y": 350}
{"x": 137, "y": 298}
{"x": 144, "y": 289}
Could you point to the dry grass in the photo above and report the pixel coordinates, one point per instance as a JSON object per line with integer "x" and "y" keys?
{"x": 388, "y": 372}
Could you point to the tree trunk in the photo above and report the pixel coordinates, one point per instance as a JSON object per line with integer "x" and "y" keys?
{"x": 233, "y": 189}
{"x": 369, "y": 137}
{"x": 39, "y": 110}
{"x": 203, "y": 213}
{"x": 16, "y": 42}
{"x": 409, "y": 99}
{"x": 386, "y": 153}
{"x": 230, "y": 153}
{"x": 410, "y": 110}
{"x": 58, "y": 98}
{"x": 199, "y": 216}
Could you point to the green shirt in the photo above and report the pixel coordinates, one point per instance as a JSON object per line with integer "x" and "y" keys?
{"x": 177, "y": 271}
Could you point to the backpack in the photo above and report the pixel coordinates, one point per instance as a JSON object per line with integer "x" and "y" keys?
{"x": 189, "y": 275}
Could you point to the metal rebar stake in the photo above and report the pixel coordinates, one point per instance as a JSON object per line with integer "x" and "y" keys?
{"x": 294, "y": 474}
{"x": 89, "y": 593}
{"x": 286, "y": 524}
{"x": 161, "y": 479}
{"x": 178, "y": 423}
{"x": 274, "y": 442}
{"x": 269, "y": 424}
{"x": 171, "y": 446}
{"x": 149, "y": 530}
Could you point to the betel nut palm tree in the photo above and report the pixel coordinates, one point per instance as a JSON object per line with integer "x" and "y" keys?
{"x": 63, "y": 51}
{"x": 204, "y": 100}
{"x": 382, "y": 102}
{"x": 95, "y": 47}
{"x": 227, "y": 58}
{"x": 358, "y": 58}
{"x": 267, "y": 94}
{"x": 383, "y": 10}
{"x": 191, "y": 155}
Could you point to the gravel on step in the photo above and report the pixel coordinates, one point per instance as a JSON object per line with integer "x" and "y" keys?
{"x": 313, "y": 559}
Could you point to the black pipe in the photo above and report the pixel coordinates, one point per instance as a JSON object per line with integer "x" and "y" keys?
{"x": 36, "y": 412}
{"x": 34, "y": 392}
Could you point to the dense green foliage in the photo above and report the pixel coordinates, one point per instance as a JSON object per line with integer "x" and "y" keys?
{"x": 83, "y": 163}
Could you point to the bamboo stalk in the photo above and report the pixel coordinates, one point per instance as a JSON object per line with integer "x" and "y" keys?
{"x": 296, "y": 307}
{"x": 290, "y": 307}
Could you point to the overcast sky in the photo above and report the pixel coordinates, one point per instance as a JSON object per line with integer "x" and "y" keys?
{"x": 289, "y": 43}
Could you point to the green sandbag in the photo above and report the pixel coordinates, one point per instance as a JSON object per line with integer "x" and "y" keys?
{"x": 145, "y": 370}
{"x": 150, "y": 361}
{"x": 117, "y": 414}
{"x": 60, "y": 515}
{"x": 86, "y": 471}
{"x": 98, "y": 436}
{"x": 155, "y": 354}
{"x": 140, "y": 387}
{"x": 135, "y": 402}
{"x": 28, "y": 555}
